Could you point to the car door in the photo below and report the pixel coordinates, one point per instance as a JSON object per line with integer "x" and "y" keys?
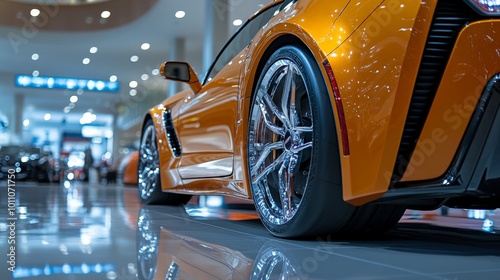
{"x": 207, "y": 119}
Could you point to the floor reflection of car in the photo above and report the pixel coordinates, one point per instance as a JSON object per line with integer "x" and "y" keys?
{"x": 29, "y": 163}
{"x": 162, "y": 254}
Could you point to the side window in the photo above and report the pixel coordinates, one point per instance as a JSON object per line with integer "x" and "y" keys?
{"x": 239, "y": 41}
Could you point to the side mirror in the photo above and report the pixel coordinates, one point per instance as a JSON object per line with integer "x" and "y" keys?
{"x": 181, "y": 72}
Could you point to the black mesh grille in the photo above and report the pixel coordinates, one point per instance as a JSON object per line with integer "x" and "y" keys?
{"x": 173, "y": 141}
{"x": 449, "y": 18}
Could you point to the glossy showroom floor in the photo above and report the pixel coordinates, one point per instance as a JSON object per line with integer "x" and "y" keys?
{"x": 81, "y": 231}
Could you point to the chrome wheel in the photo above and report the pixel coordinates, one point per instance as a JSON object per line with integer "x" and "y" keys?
{"x": 149, "y": 167}
{"x": 147, "y": 245}
{"x": 280, "y": 142}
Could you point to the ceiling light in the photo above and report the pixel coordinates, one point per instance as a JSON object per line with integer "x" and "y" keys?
{"x": 133, "y": 84}
{"x": 134, "y": 58}
{"x": 145, "y": 46}
{"x": 35, "y": 56}
{"x": 79, "y": 91}
{"x": 180, "y": 14}
{"x": 105, "y": 14}
{"x": 26, "y": 122}
{"x": 237, "y": 22}
{"x": 133, "y": 92}
{"x": 144, "y": 77}
{"x": 36, "y": 73}
{"x": 67, "y": 109}
{"x": 35, "y": 12}
{"x": 88, "y": 117}
{"x": 47, "y": 117}
{"x": 93, "y": 50}
{"x": 73, "y": 99}
{"x": 86, "y": 60}
{"x": 113, "y": 78}
{"x": 155, "y": 72}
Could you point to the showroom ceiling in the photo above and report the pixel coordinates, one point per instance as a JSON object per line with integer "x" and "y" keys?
{"x": 128, "y": 41}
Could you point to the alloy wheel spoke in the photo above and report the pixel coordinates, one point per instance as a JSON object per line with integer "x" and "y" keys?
{"x": 275, "y": 110}
{"x": 267, "y": 120}
{"x": 268, "y": 148}
{"x": 152, "y": 139}
{"x": 269, "y": 168}
{"x": 271, "y": 266}
{"x": 288, "y": 98}
{"x": 298, "y": 148}
{"x": 285, "y": 188}
{"x": 303, "y": 129}
{"x": 286, "y": 94}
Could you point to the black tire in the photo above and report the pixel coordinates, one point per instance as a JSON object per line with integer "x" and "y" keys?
{"x": 148, "y": 172}
{"x": 293, "y": 147}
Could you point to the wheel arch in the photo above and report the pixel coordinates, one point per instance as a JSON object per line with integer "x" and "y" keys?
{"x": 268, "y": 43}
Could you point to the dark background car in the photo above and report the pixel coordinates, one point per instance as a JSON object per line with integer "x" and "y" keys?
{"x": 30, "y": 163}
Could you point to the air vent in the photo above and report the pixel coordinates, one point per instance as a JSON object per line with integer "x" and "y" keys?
{"x": 173, "y": 141}
{"x": 450, "y": 18}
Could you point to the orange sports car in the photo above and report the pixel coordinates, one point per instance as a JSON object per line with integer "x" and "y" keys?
{"x": 128, "y": 168}
{"x": 336, "y": 116}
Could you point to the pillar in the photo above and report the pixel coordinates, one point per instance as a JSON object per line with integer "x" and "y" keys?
{"x": 216, "y": 30}
{"x": 176, "y": 52}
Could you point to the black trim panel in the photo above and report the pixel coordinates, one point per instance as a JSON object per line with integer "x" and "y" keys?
{"x": 449, "y": 19}
{"x": 475, "y": 172}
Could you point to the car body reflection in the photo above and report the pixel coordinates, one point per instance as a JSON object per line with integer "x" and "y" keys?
{"x": 162, "y": 254}
{"x": 165, "y": 254}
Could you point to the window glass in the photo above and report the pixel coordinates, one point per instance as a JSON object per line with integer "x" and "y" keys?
{"x": 240, "y": 40}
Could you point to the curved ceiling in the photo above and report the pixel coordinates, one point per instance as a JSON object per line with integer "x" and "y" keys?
{"x": 72, "y": 15}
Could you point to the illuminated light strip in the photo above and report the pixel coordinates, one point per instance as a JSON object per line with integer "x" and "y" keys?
{"x": 340, "y": 108}
{"x": 65, "y": 83}
{"x": 24, "y": 272}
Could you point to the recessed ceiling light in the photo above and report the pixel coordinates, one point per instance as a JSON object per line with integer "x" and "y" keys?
{"x": 26, "y": 122}
{"x": 35, "y": 12}
{"x": 73, "y": 99}
{"x": 133, "y": 92}
{"x": 47, "y": 117}
{"x": 144, "y": 77}
{"x": 105, "y": 14}
{"x": 86, "y": 60}
{"x": 113, "y": 78}
{"x": 155, "y": 72}
{"x": 79, "y": 91}
{"x": 35, "y": 56}
{"x": 133, "y": 84}
{"x": 145, "y": 46}
{"x": 134, "y": 58}
{"x": 36, "y": 73}
{"x": 93, "y": 50}
{"x": 237, "y": 22}
{"x": 180, "y": 14}
{"x": 67, "y": 109}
